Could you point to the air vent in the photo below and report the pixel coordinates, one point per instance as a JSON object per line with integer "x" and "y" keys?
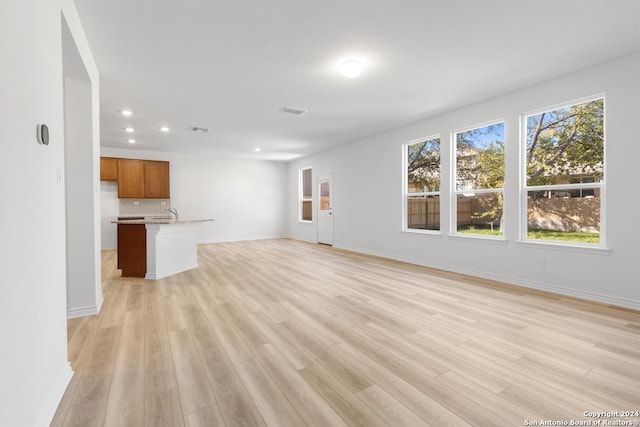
{"x": 199, "y": 129}
{"x": 293, "y": 110}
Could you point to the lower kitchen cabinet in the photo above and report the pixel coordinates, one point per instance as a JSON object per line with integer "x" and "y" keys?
{"x": 132, "y": 250}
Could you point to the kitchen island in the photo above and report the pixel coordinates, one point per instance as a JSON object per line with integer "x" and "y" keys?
{"x": 156, "y": 247}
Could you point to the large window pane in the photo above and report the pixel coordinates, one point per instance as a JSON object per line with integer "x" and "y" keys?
{"x": 423, "y": 212}
{"x": 557, "y": 215}
{"x": 566, "y": 144}
{"x": 480, "y": 158}
{"x": 564, "y": 173}
{"x": 423, "y": 166}
{"x": 480, "y": 167}
{"x": 307, "y": 215}
{"x": 306, "y": 183}
{"x": 422, "y": 196}
{"x": 480, "y": 213}
{"x": 306, "y": 204}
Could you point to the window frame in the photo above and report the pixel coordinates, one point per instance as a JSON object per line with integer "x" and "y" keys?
{"x": 302, "y": 198}
{"x": 453, "y": 215}
{"x": 405, "y": 188}
{"x": 525, "y": 188}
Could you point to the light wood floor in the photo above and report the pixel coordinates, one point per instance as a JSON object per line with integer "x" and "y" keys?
{"x": 286, "y": 333}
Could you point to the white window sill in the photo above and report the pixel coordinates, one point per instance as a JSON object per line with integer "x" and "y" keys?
{"x": 564, "y": 247}
{"x": 420, "y": 232}
{"x": 469, "y": 237}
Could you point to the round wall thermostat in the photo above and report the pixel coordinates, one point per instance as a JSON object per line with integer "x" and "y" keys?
{"x": 43, "y": 134}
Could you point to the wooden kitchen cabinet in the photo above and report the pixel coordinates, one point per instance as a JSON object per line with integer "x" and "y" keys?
{"x": 132, "y": 250}
{"x": 137, "y": 179}
{"x": 108, "y": 169}
{"x": 130, "y": 178}
{"x": 156, "y": 180}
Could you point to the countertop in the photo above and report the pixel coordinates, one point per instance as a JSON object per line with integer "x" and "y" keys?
{"x": 159, "y": 220}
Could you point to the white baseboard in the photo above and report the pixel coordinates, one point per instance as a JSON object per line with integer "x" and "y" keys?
{"x": 586, "y": 295}
{"x": 88, "y": 310}
{"x": 99, "y": 302}
{"x": 46, "y": 416}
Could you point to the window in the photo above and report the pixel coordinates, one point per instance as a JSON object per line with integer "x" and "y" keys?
{"x": 479, "y": 174}
{"x": 306, "y": 212}
{"x": 564, "y": 158}
{"x": 422, "y": 195}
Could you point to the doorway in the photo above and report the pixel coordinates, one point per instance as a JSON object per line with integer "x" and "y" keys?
{"x": 325, "y": 210}
{"x": 84, "y": 291}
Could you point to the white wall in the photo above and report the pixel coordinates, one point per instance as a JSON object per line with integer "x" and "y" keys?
{"x": 247, "y": 198}
{"x": 33, "y": 361}
{"x": 108, "y": 213}
{"x": 82, "y": 298}
{"x": 368, "y": 194}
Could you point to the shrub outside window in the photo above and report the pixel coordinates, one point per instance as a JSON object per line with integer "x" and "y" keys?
{"x": 422, "y": 183}
{"x": 479, "y": 180}
{"x": 564, "y": 166}
{"x": 305, "y": 189}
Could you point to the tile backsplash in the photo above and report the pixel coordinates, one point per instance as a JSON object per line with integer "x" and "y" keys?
{"x": 144, "y": 207}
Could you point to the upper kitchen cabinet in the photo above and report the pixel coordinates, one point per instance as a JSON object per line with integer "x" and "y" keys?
{"x": 137, "y": 179}
{"x": 108, "y": 169}
{"x": 131, "y": 178}
{"x": 156, "y": 180}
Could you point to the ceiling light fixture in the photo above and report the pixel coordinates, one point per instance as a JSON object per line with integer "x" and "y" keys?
{"x": 130, "y": 130}
{"x": 126, "y": 112}
{"x": 131, "y": 141}
{"x": 351, "y": 68}
{"x": 257, "y": 149}
{"x": 164, "y": 129}
{"x": 293, "y": 110}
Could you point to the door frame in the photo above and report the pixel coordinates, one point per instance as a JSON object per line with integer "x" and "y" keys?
{"x": 321, "y": 179}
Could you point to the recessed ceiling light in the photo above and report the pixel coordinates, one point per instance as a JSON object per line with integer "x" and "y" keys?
{"x": 164, "y": 129}
{"x": 130, "y": 130}
{"x": 132, "y": 141}
{"x": 126, "y": 113}
{"x": 351, "y": 68}
{"x": 257, "y": 149}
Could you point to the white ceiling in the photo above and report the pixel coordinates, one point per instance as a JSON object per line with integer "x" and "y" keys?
{"x": 231, "y": 65}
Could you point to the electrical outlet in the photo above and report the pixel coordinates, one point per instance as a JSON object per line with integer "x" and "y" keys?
{"x": 542, "y": 263}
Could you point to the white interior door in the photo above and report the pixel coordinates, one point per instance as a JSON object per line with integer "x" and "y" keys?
{"x": 325, "y": 210}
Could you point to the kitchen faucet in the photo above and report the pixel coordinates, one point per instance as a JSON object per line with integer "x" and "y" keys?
{"x": 173, "y": 211}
